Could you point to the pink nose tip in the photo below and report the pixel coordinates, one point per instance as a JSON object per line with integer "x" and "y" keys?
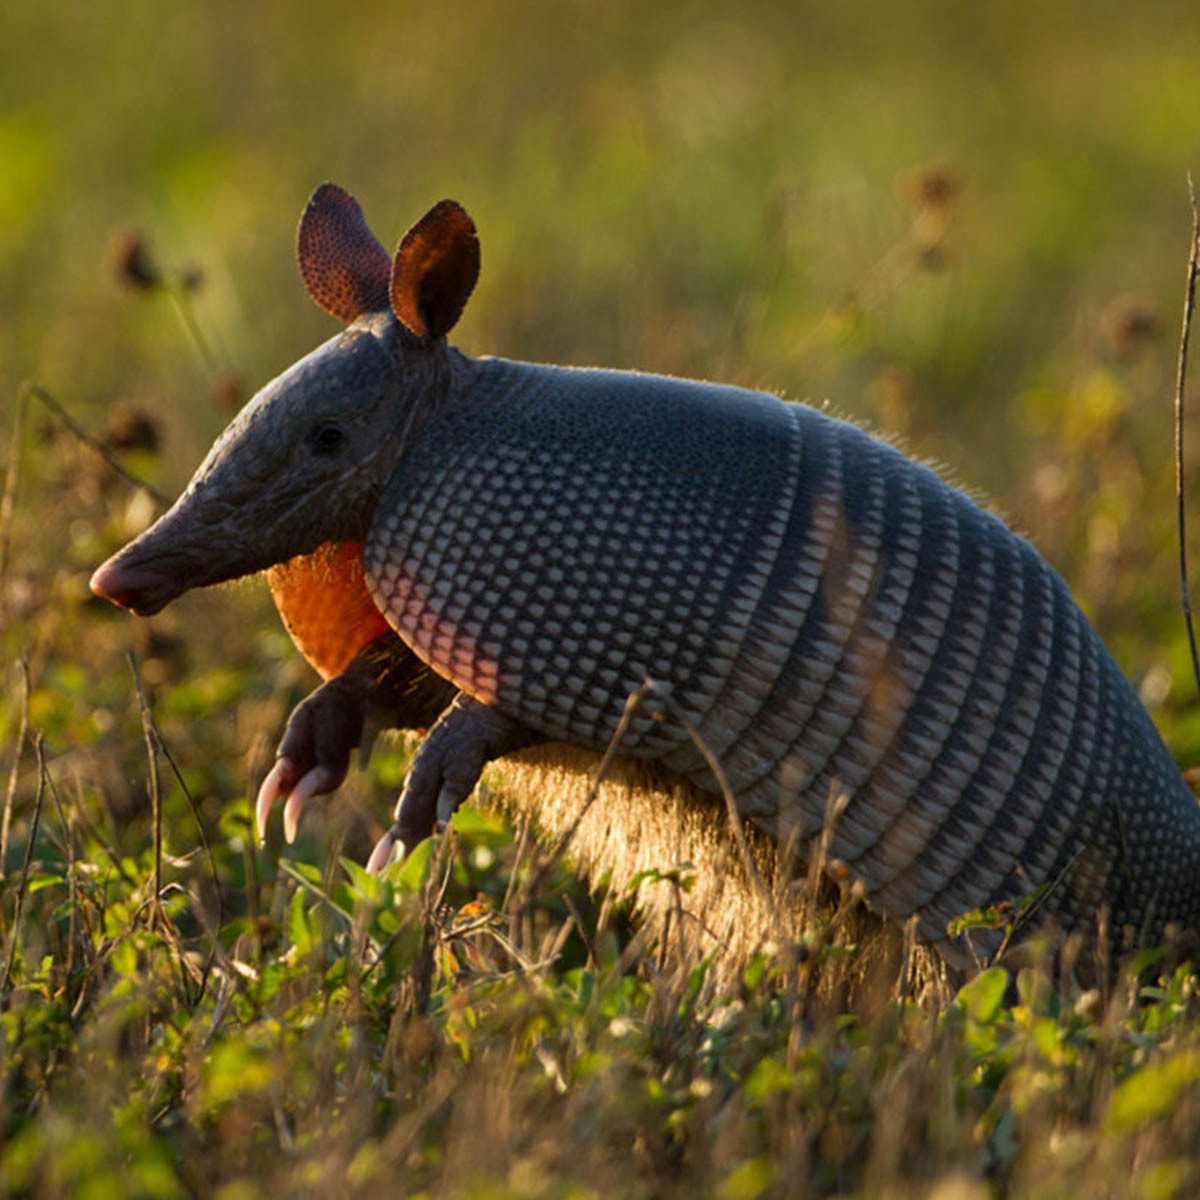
{"x": 123, "y": 586}
{"x": 106, "y": 581}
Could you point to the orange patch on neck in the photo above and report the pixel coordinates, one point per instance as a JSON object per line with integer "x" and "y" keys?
{"x": 326, "y": 608}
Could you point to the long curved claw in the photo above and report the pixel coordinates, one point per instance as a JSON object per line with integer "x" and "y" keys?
{"x": 283, "y": 780}
{"x": 279, "y": 782}
{"x": 385, "y": 850}
{"x": 319, "y": 779}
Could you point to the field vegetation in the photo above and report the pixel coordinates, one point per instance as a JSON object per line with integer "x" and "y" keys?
{"x": 964, "y": 225}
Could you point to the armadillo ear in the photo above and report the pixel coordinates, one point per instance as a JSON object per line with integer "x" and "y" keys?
{"x": 435, "y": 269}
{"x": 342, "y": 264}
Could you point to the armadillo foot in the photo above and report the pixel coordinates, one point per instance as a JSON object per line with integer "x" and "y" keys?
{"x": 314, "y": 755}
{"x": 463, "y": 740}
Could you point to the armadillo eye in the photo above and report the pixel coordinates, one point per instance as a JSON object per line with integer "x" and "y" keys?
{"x": 325, "y": 439}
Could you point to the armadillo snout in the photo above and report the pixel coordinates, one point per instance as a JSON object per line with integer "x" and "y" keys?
{"x": 140, "y": 590}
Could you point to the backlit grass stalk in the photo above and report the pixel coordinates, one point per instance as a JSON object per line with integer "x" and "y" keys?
{"x": 23, "y": 885}
{"x": 11, "y": 791}
{"x": 1189, "y": 307}
{"x": 9, "y": 497}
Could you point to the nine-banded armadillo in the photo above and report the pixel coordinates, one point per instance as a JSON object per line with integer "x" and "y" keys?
{"x": 506, "y": 551}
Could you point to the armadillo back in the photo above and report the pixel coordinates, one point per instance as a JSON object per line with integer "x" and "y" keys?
{"x": 836, "y": 621}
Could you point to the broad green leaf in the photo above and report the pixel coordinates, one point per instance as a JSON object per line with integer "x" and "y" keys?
{"x": 1151, "y": 1092}
{"x": 984, "y": 995}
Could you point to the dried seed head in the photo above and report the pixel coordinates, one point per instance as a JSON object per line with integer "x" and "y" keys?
{"x": 1128, "y": 326}
{"x": 932, "y": 193}
{"x": 132, "y": 263}
{"x": 191, "y": 277}
{"x": 129, "y": 429}
{"x": 936, "y": 188}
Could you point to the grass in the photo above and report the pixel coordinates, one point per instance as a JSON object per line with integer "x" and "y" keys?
{"x": 966, "y": 226}
{"x": 337, "y": 1033}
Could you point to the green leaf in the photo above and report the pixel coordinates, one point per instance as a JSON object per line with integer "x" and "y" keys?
{"x": 299, "y": 927}
{"x": 1151, "y": 1092}
{"x": 755, "y": 970}
{"x": 410, "y": 874}
{"x": 236, "y": 1067}
{"x": 747, "y": 1180}
{"x": 1143, "y": 959}
{"x": 478, "y": 822}
{"x": 683, "y": 876}
{"x": 37, "y": 882}
{"x": 305, "y": 870}
{"x": 368, "y": 887}
{"x": 769, "y": 1075}
{"x": 983, "y": 997}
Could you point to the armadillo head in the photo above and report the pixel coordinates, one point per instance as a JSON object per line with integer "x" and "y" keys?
{"x": 304, "y": 462}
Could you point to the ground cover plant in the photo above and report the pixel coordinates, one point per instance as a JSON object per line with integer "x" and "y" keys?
{"x": 968, "y": 228}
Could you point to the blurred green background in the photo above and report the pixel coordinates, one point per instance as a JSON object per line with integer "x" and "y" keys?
{"x": 965, "y": 225}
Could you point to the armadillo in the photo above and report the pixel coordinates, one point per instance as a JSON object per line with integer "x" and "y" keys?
{"x": 505, "y": 552}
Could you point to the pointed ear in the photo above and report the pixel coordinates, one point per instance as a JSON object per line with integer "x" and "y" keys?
{"x": 435, "y": 269}
{"x": 342, "y": 264}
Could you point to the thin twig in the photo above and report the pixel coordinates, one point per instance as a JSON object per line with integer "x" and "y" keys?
{"x": 444, "y": 859}
{"x": 36, "y": 389}
{"x": 24, "y": 883}
{"x": 1189, "y": 306}
{"x": 183, "y": 307}
{"x": 1024, "y": 919}
{"x": 12, "y": 472}
{"x": 150, "y": 734}
{"x": 11, "y": 792}
{"x": 191, "y": 802}
{"x": 422, "y": 971}
{"x": 523, "y": 837}
{"x": 72, "y": 883}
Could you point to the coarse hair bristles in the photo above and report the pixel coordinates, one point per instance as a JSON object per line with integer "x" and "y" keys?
{"x": 673, "y": 847}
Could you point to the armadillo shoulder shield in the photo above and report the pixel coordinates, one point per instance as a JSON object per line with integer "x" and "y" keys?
{"x": 569, "y": 533}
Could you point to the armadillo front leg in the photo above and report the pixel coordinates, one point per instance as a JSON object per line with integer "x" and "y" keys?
{"x": 445, "y": 770}
{"x": 384, "y": 686}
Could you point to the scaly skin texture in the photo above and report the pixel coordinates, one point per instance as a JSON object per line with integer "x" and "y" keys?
{"x": 863, "y": 649}
{"x": 836, "y": 624}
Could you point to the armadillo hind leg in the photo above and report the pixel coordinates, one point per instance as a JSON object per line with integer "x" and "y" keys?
{"x": 445, "y": 770}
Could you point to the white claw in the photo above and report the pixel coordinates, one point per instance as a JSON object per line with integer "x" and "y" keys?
{"x": 291, "y": 818}
{"x": 268, "y": 793}
{"x": 312, "y": 782}
{"x": 385, "y": 850}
